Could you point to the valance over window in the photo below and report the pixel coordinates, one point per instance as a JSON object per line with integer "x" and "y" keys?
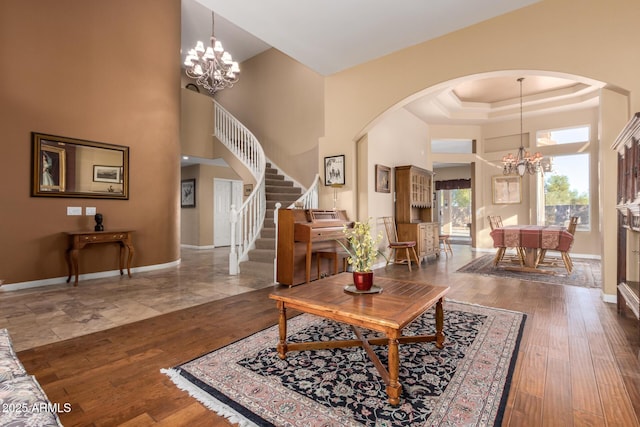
{"x": 453, "y": 184}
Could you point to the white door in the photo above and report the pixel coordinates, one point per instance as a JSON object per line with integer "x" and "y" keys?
{"x": 226, "y": 192}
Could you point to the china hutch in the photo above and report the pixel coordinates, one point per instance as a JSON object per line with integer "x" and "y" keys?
{"x": 627, "y": 145}
{"x": 414, "y": 209}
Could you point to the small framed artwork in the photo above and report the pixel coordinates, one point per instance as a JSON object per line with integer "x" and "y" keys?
{"x": 188, "y": 193}
{"x": 506, "y": 189}
{"x": 111, "y": 174}
{"x": 334, "y": 170}
{"x": 53, "y": 169}
{"x": 248, "y": 188}
{"x": 383, "y": 178}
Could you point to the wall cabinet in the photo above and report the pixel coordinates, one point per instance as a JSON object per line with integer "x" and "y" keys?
{"x": 414, "y": 209}
{"x": 627, "y": 145}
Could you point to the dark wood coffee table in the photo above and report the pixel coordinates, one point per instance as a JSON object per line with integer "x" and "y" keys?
{"x": 399, "y": 303}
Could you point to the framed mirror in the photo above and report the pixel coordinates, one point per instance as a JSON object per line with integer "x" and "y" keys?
{"x": 69, "y": 167}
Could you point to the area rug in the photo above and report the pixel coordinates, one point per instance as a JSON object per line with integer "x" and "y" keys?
{"x": 464, "y": 384}
{"x": 586, "y": 272}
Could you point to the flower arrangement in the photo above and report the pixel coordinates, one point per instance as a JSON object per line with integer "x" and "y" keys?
{"x": 363, "y": 247}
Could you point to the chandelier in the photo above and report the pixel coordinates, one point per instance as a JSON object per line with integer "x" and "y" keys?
{"x": 213, "y": 68}
{"x": 523, "y": 162}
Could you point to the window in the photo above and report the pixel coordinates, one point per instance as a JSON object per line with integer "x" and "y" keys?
{"x": 562, "y": 136}
{"x": 566, "y": 191}
{"x": 451, "y": 146}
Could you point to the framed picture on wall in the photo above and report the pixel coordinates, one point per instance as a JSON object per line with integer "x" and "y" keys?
{"x": 383, "y": 179}
{"x": 334, "y": 170}
{"x": 52, "y": 171}
{"x": 188, "y": 193}
{"x": 506, "y": 189}
{"x": 107, "y": 174}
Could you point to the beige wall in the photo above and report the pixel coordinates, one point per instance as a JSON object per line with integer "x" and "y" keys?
{"x": 287, "y": 106}
{"x": 197, "y": 223}
{"x": 400, "y": 139}
{"x": 594, "y": 40}
{"x": 281, "y": 102}
{"x": 196, "y": 124}
{"x": 562, "y": 36}
{"x": 102, "y": 71}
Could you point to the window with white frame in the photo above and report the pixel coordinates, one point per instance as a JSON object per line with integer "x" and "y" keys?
{"x": 566, "y": 190}
{"x": 563, "y": 136}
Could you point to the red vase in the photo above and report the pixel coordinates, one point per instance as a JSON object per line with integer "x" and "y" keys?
{"x": 363, "y": 280}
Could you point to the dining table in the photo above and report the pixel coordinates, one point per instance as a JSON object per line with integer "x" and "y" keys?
{"x": 532, "y": 241}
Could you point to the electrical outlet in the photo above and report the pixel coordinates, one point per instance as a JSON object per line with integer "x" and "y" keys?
{"x": 74, "y": 210}
{"x": 90, "y": 211}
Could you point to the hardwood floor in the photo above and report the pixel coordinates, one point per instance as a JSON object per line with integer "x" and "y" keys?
{"x": 577, "y": 365}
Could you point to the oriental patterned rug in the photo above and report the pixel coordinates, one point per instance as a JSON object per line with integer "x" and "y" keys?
{"x": 465, "y": 383}
{"x": 586, "y": 272}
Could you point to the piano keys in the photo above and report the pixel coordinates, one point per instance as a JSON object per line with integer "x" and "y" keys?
{"x": 300, "y": 233}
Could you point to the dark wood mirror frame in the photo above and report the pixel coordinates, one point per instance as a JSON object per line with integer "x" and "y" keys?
{"x": 69, "y": 167}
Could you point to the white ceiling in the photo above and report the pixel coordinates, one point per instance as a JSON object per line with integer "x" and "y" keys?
{"x": 332, "y": 35}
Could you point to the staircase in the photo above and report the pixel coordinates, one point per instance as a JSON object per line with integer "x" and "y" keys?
{"x": 277, "y": 189}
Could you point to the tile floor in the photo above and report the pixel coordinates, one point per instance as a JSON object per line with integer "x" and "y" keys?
{"x": 62, "y": 311}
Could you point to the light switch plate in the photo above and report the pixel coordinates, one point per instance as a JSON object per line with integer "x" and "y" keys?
{"x": 74, "y": 210}
{"x": 90, "y": 211}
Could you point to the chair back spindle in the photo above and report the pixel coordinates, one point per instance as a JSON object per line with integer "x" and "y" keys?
{"x": 394, "y": 244}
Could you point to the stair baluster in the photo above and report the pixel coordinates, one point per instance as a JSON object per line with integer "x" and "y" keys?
{"x": 250, "y": 216}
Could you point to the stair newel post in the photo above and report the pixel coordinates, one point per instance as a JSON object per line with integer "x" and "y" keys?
{"x": 275, "y": 258}
{"x": 251, "y": 223}
{"x": 233, "y": 255}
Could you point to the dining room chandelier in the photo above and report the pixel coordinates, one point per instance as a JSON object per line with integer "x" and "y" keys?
{"x": 212, "y": 68}
{"x": 523, "y": 162}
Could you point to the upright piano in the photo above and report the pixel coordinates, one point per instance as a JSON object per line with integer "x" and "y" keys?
{"x": 300, "y": 233}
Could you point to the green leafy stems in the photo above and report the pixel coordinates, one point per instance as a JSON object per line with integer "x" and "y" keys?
{"x": 363, "y": 247}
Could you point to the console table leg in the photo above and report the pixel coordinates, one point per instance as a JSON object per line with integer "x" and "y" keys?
{"x": 74, "y": 262}
{"x": 131, "y": 251}
{"x": 121, "y": 265}
{"x": 68, "y": 256}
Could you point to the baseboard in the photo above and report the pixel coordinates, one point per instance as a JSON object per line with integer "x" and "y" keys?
{"x": 98, "y": 275}
{"x": 197, "y": 247}
{"x": 610, "y": 298}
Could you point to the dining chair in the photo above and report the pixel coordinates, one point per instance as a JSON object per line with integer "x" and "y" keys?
{"x": 495, "y": 221}
{"x": 394, "y": 244}
{"x": 566, "y": 259}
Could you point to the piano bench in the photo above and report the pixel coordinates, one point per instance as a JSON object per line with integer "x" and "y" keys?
{"x": 332, "y": 256}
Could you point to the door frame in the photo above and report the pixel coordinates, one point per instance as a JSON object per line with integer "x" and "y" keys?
{"x": 235, "y": 199}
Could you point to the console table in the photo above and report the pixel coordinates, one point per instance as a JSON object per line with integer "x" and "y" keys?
{"x": 79, "y": 239}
